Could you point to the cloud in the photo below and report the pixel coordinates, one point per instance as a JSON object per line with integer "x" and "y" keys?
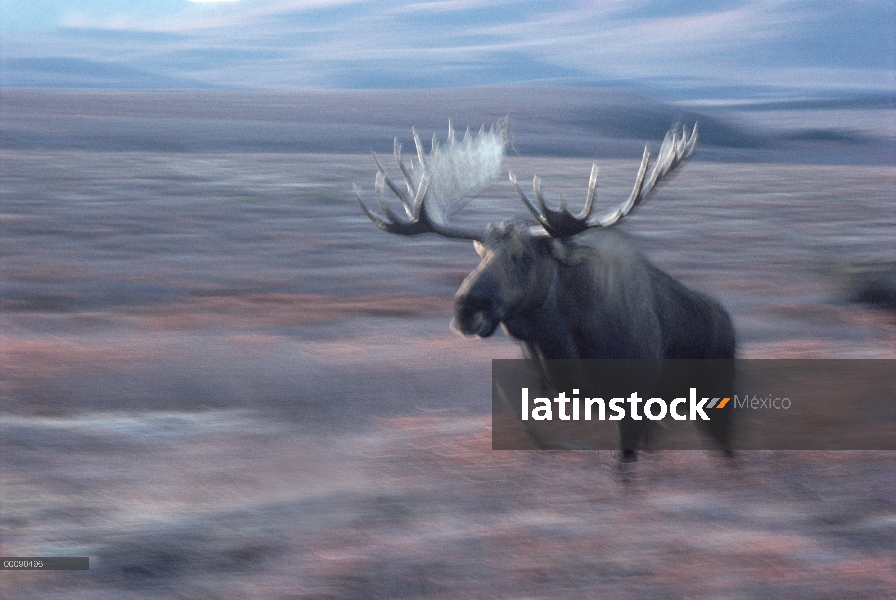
{"x": 444, "y": 6}
{"x": 392, "y": 43}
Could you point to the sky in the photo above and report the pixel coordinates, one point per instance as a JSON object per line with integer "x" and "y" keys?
{"x": 691, "y": 48}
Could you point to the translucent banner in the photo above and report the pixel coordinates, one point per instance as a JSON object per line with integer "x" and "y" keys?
{"x": 694, "y": 404}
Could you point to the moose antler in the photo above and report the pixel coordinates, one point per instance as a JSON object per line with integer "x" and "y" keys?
{"x": 676, "y": 147}
{"x": 439, "y": 183}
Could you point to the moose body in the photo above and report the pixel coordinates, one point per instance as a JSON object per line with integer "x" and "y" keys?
{"x": 593, "y": 295}
{"x": 568, "y": 287}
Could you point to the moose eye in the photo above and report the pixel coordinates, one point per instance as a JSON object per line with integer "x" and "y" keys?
{"x": 525, "y": 260}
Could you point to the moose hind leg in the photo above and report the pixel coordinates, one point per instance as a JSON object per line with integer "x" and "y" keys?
{"x": 632, "y": 435}
{"x": 715, "y": 379}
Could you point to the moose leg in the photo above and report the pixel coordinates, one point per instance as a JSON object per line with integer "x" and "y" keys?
{"x": 506, "y": 400}
{"x": 528, "y": 374}
{"x": 717, "y": 381}
{"x": 631, "y": 437}
{"x": 625, "y": 464}
{"x": 628, "y": 456}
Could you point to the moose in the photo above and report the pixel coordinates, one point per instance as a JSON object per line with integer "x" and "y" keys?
{"x": 568, "y": 286}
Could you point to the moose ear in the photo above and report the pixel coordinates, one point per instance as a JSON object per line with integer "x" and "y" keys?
{"x": 480, "y": 248}
{"x": 557, "y": 248}
{"x": 566, "y": 252}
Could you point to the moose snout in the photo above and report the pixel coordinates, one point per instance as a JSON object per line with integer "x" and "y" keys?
{"x": 474, "y": 314}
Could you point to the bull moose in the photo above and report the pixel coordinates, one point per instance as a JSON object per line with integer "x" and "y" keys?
{"x": 568, "y": 286}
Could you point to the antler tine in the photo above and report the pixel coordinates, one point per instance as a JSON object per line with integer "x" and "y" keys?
{"x": 563, "y": 204}
{"x": 616, "y": 213}
{"x": 405, "y": 200}
{"x": 396, "y": 149}
{"x": 378, "y": 220}
{"x": 418, "y": 198}
{"x": 589, "y": 199}
{"x": 679, "y": 147}
{"x": 692, "y": 143}
{"x": 637, "y": 190}
{"x": 538, "y": 215}
{"x": 420, "y": 156}
{"x": 536, "y": 189}
{"x": 662, "y": 162}
{"x": 688, "y": 143}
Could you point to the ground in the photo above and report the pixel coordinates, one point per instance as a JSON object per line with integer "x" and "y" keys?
{"x": 220, "y": 380}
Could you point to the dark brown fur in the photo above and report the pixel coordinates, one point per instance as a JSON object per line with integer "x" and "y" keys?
{"x": 590, "y": 296}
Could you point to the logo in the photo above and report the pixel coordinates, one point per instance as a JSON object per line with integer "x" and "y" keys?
{"x": 655, "y": 409}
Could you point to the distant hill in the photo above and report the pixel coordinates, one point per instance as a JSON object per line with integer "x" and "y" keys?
{"x": 550, "y": 121}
